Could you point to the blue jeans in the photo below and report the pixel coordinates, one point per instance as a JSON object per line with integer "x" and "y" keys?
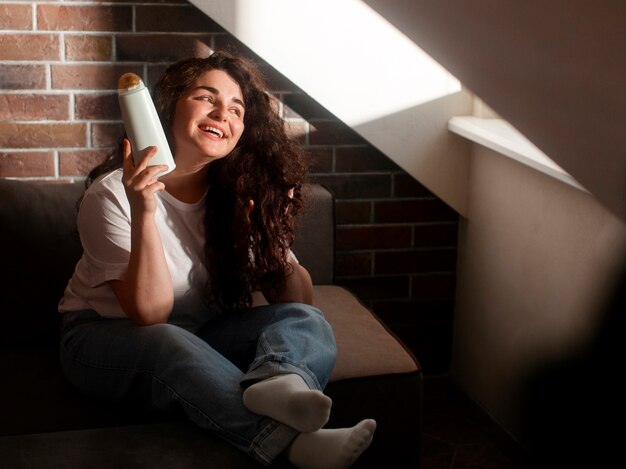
{"x": 205, "y": 372}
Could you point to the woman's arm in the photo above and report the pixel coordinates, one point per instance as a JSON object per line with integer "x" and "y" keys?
{"x": 145, "y": 292}
{"x": 298, "y": 286}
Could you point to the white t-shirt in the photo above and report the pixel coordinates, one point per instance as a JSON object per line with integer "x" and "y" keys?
{"x": 104, "y": 228}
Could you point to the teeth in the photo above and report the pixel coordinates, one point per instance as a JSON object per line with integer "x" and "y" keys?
{"x": 213, "y": 130}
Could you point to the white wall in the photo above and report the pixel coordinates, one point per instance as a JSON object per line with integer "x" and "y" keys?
{"x": 536, "y": 257}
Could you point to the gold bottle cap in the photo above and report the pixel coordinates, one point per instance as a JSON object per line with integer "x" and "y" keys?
{"x": 128, "y": 81}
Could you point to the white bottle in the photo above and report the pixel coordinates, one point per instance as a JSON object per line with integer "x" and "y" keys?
{"x": 141, "y": 121}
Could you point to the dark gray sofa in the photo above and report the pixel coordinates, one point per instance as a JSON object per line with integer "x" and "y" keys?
{"x": 46, "y": 423}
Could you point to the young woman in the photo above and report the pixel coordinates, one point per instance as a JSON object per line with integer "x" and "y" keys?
{"x": 159, "y": 307}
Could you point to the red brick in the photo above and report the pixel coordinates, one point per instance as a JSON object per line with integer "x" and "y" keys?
{"x": 333, "y": 133}
{"x": 106, "y": 135}
{"x": 161, "y": 48}
{"x": 89, "y": 77}
{"x": 353, "y": 264}
{"x": 154, "y": 73}
{"x": 433, "y": 286}
{"x": 356, "y": 186}
{"x": 274, "y": 80}
{"x": 435, "y": 235}
{"x": 349, "y": 212}
{"x": 297, "y": 130}
{"x": 288, "y": 112}
{"x": 406, "y": 262}
{"x": 82, "y": 47}
{"x": 370, "y": 288}
{"x": 27, "y": 164}
{"x": 182, "y": 2}
{"x": 372, "y": 237}
{"x": 79, "y": 163}
{"x": 417, "y": 210}
{"x": 16, "y": 17}
{"x": 320, "y": 159}
{"x": 17, "y": 135}
{"x": 22, "y": 77}
{"x": 168, "y": 18}
{"x": 405, "y": 185}
{"x": 301, "y": 105}
{"x": 97, "y": 107}
{"x": 363, "y": 158}
{"x": 275, "y": 103}
{"x": 84, "y": 18}
{"x": 29, "y": 47}
{"x": 34, "y": 107}
{"x": 412, "y": 312}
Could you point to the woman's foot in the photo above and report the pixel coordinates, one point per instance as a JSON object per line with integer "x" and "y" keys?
{"x": 288, "y": 399}
{"x": 331, "y": 448}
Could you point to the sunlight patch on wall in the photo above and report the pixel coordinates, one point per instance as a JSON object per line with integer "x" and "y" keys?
{"x": 357, "y": 64}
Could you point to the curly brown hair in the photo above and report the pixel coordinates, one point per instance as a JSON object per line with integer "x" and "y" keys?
{"x": 244, "y": 250}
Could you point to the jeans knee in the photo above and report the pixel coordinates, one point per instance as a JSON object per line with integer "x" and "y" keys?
{"x": 169, "y": 340}
{"x": 316, "y": 325}
{"x": 162, "y": 331}
{"x": 299, "y": 310}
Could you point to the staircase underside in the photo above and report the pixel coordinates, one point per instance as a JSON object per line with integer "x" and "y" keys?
{"x": 554, "y": 70}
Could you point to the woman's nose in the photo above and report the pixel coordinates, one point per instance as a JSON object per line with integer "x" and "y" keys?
{"x": 218, "y": 113}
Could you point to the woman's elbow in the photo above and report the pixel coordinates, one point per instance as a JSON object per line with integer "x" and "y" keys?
{"x": 298, "y": 288}
{"x": 148, "y": 315}
{"x": 144, "y": 309}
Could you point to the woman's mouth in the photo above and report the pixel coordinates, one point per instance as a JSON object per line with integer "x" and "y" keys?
{"x": 212, "y": 130}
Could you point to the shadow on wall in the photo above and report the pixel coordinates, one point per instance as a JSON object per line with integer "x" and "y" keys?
{"x": 574, "y": 406}
{"x": 428, "y": 151}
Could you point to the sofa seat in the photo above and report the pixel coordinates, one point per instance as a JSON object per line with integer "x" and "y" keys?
{"x": 46, "y": 423}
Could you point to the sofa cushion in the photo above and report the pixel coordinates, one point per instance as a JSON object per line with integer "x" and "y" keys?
{"x": 172, "y": 445}
{"x": 373, "y": 350}
{"x": 365, "y": 347}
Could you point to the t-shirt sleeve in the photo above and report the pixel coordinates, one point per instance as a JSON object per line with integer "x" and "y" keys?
{"x": 293, "y": 257}
{"x": 104, "y": 228}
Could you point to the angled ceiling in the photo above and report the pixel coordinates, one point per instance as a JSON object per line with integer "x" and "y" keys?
{"x": 555, "y": 70}
{"x": 365, "y": 72}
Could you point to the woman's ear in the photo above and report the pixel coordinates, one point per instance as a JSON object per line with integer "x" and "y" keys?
{"x": 249, "y": 208}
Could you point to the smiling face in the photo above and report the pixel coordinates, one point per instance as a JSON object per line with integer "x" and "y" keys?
{"x": 208, "y": 119}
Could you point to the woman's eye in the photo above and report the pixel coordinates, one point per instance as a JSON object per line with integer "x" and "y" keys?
{"x": 236, "y": 111}
{"x": 205, "y": 98}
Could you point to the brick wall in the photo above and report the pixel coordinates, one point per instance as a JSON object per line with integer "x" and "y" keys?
{"x": 59, "y": 64}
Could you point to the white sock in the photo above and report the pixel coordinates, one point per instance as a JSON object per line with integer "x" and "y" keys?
{"x": 331, "y": 448}
{"x": 288, "y": 399}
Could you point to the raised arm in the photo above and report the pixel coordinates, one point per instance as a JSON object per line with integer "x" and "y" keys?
{"x": 145, "y": 292}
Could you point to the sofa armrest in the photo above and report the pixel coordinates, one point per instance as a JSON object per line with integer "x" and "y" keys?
{"x": 40, "y": 247}
{"x": 314, "y": 245}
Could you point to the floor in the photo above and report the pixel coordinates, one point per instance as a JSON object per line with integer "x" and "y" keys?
{"x": 457, "y": 434}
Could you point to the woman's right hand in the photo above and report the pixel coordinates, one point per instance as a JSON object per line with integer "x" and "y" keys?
{"x": 145, "y": 292}
{"x": 140, "y": 180}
